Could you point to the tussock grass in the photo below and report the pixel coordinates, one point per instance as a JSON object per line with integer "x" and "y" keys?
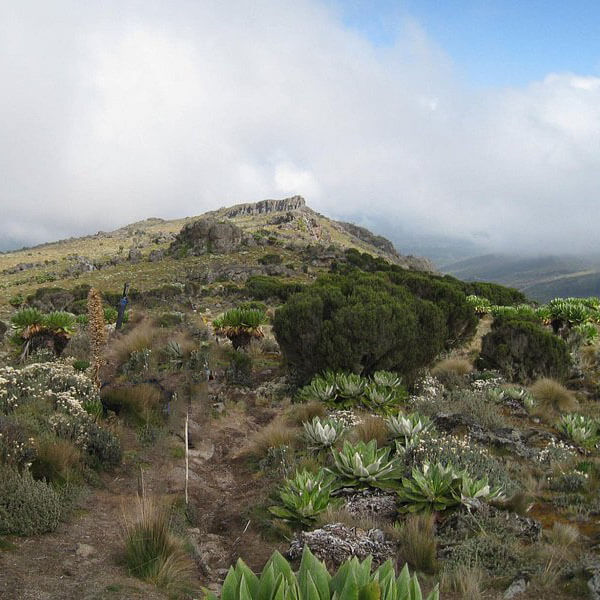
{"x": 371, "y": 428}
{"x": 152, "y": 552}
{"x": 417, "y": 544}
{"x": 552, "y": 397}
{"x": 301, "y": 413}
{"x": 56, "y": 460}
{"x": 139, "y": 404}
{"x": 466, "y": 581}
{"x": 346, "y": 518}
{"x": 452, "y": 366}
{"x": 140, "y": 337}
{"x": 562, "y": 535}
{"x": 274, "y": 435}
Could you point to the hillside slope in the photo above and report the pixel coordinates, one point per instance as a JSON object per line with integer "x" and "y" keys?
{"x": 304, "y": 240}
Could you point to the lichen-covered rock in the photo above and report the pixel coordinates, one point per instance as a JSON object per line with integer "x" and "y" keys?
{"x": 335, "y": 543}
{"x": 370, "y": 503}
{"x": 265, "y": 207}
{"x": 207, "y": 236}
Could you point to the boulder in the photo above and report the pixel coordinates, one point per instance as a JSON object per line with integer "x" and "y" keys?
{"x": 207, "y": 236}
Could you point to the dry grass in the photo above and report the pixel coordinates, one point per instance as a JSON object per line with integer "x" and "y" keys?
{"x": 301, "y": 413}
{"x": 274, "y": 435}
{"x": 562, "y": 535}
{"x": 452, "y": 366}
{"x": 341, "y": 515}
{"x": 552, "y": 397}
{"x": 371, "y": 428}
{"x": 139, "y": 404}
{"x": 417, "y": 544}
{"x": 140, "y": 337}
{"x": 465, "y": 581}
{"x": 56, "y": 460}
{"x": 152, "y": 552}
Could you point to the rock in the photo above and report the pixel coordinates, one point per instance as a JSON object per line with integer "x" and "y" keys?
{"x": 516, "y": 588}
{"x": 594, "y": 586}
{"x": 369, "y": 503}
{"x": 265, "y": 207}
{"x": 591, "y": 566}
{"x": 207, "y": 236}
{"x": 135, "y": 255}
{"x": 335, "y": 543}
{"x": 211, "y": 549}
{"x": 156, "y": 255}
{"x": 3, "y": 328}
{"x": 81, "y": 265}
{"x": 203, "y": 450}
{"x": 84, "y": 550}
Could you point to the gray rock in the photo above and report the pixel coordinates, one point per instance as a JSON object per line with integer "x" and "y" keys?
{"x": 335, "y": 543}
{"x": 85, "y": 550}
{"x": 3, "y": 328}
{"x": 207, "y": 236}
{"x": 135, "y": 255}
{"x": 369, "y": 503}
{"x": 156, "y": 255}
{"x": 265, "y": 207}
{"x": 516, "y": 588}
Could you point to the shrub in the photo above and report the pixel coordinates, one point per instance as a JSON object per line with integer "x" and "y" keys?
{"x": 239, "y": 370}
{"x": 551, "y": 396}
{"x": 359, "y": 324}
{"x": 353, "y": 581}
{"x": 270, "y": 259}
{"x": 153, "y": 553}
{"x": 103, "y": 447}
{"x": 27, "y": 507}
{"x": 264, "y": 287}
{"x": 524, "y": 351}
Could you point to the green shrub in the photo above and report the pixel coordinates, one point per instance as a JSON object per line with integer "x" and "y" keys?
{"x": 103, "y": 447}
{"x": 270, "y": 259}
{"x": 264, "y": 287}
{"x": 524, "y": 351}
{"x": 81, "y": 365}
{"x": 27, "y": 507}
{"x": 239, "y": 370}
{"x": 358, "y": 323}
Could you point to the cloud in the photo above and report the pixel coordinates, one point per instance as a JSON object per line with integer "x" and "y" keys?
{"x": 119, "y": 111}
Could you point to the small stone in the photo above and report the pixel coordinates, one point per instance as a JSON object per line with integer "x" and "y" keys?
{"x": 516, "y": 588}
{"x": 84, "y": 550}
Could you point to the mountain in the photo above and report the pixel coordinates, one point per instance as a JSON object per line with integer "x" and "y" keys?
{"x": 541, "y": 278}
{"x": 281, "y": 237}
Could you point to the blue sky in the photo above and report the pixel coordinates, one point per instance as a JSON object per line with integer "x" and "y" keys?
{"x": 491, "y": 42}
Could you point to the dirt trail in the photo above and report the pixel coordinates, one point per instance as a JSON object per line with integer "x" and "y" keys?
{"x": 57, "y": 565}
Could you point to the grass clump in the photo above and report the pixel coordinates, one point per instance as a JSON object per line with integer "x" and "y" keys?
{"x": 152, "y": 552}
{"x": 372, "y": 428}
{"x": 416, "y": 537}
{"x": 276, "y": 434}
{"x": 56, "y": 460}
{"x": 552, "y": 397}
{"x": 138, "y": 404}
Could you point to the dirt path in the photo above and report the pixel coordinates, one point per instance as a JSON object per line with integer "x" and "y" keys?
{"x": 80, "y": 560}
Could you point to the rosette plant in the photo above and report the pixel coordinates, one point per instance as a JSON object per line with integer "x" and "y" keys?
{"x": 579, "y": 428}
{"x": 408, "y": 428}
{"x": 304, "y": 496}
{"x": 240, "y": 325}
{"x": 352, "y": 581}
{"x": 34, "y": 329}
{"x": 365, "y": 465}
{"x": 323, "y": 433}
{"x": 431, "y": 488}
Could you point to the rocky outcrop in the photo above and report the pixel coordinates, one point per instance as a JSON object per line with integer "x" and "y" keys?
{"x": 265, "y": 207}
{"x": 208, "y": 236}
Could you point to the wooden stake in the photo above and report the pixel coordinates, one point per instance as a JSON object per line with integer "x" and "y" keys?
{"x": 187, "y": 461}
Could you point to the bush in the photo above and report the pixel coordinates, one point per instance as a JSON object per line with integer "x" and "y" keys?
{"x": 239, "y": 370}
{"x": 524, "y": 351}
{"x": 27, "y": 507}
{"x": 358, "y": 323}
{"x": 270, "y": 259}
{"x": 263, "y": 287}
{"x": 103, "y": 447}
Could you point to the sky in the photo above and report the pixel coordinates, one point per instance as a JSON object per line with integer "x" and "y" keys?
{"x": 478, "y": 120}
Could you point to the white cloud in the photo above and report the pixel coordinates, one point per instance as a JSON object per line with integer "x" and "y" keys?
{"x": 125, "y": 110}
